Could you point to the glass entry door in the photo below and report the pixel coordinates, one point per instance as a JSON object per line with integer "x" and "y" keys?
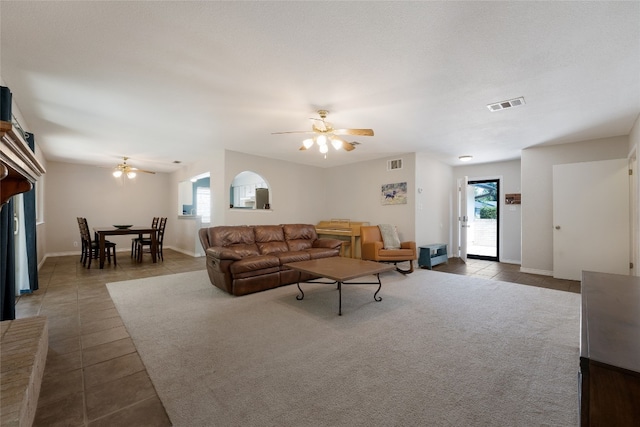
{"x": 484, "y": 217}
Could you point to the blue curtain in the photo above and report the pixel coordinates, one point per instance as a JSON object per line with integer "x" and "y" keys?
{"x": 30, "y": 227}
{"x": 7, "y": 263}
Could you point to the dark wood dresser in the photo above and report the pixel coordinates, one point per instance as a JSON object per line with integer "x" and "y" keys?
{"x": 610, "y": 350}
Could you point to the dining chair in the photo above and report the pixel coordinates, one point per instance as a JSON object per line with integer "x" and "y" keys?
{"x": 147, "y": 242}
{"x": 83, "y": 252}
{"x": 91, "y": 247}
{"x": 134, "y": 241}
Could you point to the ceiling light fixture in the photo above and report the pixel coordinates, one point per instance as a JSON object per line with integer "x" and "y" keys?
{"x": 324, "y": 133}
{"x": 465, "y": 158}
{"x": 323, "y": 143}
{"x": 125, "y": 169}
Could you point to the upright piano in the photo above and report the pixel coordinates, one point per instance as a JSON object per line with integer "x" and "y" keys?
{"x": 341, "y": 229}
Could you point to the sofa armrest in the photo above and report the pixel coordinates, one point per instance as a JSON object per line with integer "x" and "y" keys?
{"x": 370, "y": 250}
{"x": 223, "y": 253}
{"x": 327, "y": 243}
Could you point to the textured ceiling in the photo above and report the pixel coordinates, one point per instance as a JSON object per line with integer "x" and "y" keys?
{"x": 165, "y": 81}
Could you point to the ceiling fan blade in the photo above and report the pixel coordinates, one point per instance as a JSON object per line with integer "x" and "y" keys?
{"x": 359, "y": 132}
{"x": 348, "y": 146}
{"x": 293, "y": 131}
{"x": 141, "y": 170}
{"x": 302, "y": 148}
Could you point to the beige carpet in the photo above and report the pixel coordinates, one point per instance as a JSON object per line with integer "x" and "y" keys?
{"x": 438, "y": 350}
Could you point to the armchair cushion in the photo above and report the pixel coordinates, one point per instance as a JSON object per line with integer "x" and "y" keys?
{"x": 373, "y": 248}
{"x": 389, "y": 236}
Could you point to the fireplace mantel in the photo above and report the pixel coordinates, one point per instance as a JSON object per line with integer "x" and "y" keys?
{"x": 19, "y": 167}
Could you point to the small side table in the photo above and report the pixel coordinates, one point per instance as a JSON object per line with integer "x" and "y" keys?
{"x": 433, "y": 254}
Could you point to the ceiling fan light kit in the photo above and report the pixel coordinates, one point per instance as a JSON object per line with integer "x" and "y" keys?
{"x": 325, "y": 134}
{"x": 130, "y": 172}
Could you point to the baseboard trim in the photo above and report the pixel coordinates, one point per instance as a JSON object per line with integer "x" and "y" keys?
{"x": 183, "y": 251}
{"x": 536, "y": 271}
{"x": 506, "y": 261}
{"x": 76, "y": 252}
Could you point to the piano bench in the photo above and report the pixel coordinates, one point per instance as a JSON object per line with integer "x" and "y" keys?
{"x": 343, "y": 249}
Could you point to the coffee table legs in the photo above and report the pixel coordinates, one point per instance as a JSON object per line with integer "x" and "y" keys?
{"x": 301, "y": 296}
{"x": 339, "y": 283}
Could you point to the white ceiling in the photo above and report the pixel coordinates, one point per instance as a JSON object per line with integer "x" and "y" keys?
{"x": 165, "y": 81}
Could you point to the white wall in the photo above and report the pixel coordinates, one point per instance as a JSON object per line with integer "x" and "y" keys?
{"x": 89, "y": 191}
{"x": 306, "y": 194}
{"x": 537, "y": 193}
{"x": 296, "y": 192}
{"x": 434, "y": 211}
{"x": 510, "y": 225}
{"x": 185, "y": 238}
{"x": 354, "y": 192}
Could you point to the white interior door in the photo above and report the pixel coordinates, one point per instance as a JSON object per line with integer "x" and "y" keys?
{"x": 463, "y": 218}
{"x": 590, "y": 218}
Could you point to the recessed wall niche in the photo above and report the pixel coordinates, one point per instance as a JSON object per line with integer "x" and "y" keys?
{"x": 249, "y": 190}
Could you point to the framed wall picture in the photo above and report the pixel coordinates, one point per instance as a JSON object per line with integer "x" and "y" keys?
{"x": 394, "y": 194}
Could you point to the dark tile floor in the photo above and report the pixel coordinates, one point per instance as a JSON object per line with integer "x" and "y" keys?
{"x": 94, "y": 375}
{"x": 506, "y": 273}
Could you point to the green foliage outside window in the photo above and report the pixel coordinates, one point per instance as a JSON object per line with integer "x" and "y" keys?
{"x": 488, "y": 213}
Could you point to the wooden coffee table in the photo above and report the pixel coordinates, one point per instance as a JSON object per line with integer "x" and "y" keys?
{"x": 339, "y": 270}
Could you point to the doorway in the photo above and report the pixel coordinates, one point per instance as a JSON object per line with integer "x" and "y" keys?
{"x": 483, "y": 212}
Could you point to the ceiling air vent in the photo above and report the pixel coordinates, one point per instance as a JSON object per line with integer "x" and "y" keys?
{"x": 502, "y": 105}
{"x": 394, "y": 164}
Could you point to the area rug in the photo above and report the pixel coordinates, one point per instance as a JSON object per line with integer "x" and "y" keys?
{"x": 438, "y": 350}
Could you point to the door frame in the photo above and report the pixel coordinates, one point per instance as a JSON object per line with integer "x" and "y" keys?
{"x": 462, "y": 218}
{"x": 497, "y": 180}
{"x": 634, "y": 205}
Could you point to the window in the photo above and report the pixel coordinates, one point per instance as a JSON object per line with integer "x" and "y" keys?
{"x": 203, "y": 203}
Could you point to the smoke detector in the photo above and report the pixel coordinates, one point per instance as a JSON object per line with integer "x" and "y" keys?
{"x": 503, "y": 105}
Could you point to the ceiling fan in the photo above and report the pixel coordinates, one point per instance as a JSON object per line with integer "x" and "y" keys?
{"x": 129, "y": 171}
{"x": 324, "y": 133}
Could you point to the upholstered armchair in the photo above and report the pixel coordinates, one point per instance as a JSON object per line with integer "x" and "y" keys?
{"x": 373, "y": 247}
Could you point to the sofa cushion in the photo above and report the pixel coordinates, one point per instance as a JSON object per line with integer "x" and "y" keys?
{"x": 286, "y": 257}
{"x": 254, "y": 266}
{"x": 226, "y": 235}
{"x": 270, "y": 239}
{"x": 237, "y": 238}
{"x": 245, "y": 250}
{"x": 299, "y": 236}
{"x": 316, "y": 253}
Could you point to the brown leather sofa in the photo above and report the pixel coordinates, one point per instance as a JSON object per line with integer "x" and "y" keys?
{"x": 244, "y": 259}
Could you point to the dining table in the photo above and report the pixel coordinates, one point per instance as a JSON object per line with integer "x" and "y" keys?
{"x": 140, "y": 230}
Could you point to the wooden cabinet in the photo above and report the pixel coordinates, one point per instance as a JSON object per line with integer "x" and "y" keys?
{"x": 610, "y": 350}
